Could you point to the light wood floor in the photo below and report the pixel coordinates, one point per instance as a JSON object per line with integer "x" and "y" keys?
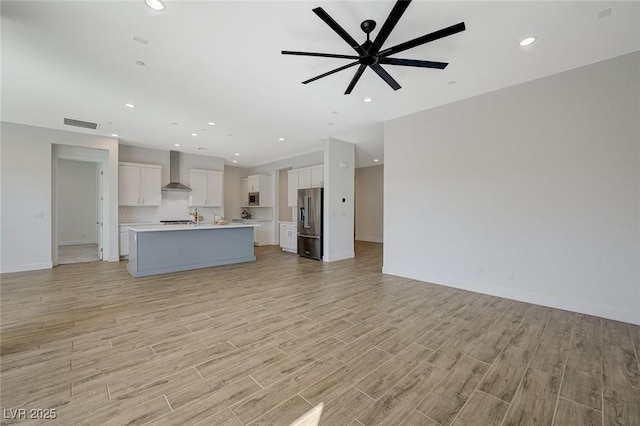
{"x": 262, "y": 343}
{"x": 78, "y": 253}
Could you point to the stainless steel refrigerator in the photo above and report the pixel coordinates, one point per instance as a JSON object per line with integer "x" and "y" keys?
{"x": 310, "y": 223}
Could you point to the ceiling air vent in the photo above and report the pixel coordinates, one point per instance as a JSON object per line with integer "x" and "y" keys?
{"x": 79, "y": 123}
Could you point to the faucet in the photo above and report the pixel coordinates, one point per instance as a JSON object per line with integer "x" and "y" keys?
{"x": 196, "y": 217}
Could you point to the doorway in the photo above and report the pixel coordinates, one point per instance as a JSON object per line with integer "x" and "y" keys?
{"x": 78, "y": 211}
{"x": 78, "y": 206}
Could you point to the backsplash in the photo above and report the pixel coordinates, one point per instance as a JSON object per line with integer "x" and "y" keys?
{"x": 174, "y": 206}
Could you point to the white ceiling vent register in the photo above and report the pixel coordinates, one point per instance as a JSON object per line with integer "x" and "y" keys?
{"x": 80, "y": 123}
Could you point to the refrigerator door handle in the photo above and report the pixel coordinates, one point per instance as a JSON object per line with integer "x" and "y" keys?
{"x": 307, "y": 207}
{"x": 309, "y": 236}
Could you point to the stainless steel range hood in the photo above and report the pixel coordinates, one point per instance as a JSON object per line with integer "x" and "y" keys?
{"x": 174, "y": 174}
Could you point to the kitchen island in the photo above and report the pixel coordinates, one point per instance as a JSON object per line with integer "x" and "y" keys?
{"x": 160, "y": 249}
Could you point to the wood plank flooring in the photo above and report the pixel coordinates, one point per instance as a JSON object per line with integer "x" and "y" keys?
{"x": 264, "y": 343}
{"x": 78, "y": 253}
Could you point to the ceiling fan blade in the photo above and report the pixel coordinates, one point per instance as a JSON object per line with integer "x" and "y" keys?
{"x": 331, "y": 72}
{"x": 413, "y": 63}
{"x": 355, "y": 79}
{"x": 385, "y": 76}
{"x": 323, "y": 55}
{"x": 388, "y": 26}
{"x": 422, "y": 40}
{"x": 338, "y": 29}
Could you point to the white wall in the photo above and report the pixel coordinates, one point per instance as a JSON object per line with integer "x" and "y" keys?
{"x": 530, "y": 192}
{"x": 26, "y": 191}
{"x": 174, "y": 205}
{"x": 232, "y": 198}
{"x": 339, "y": 171}
{"x": 369, "y": 203}
{"x": 285, "y": 212}
{"x": 77, "y": 202}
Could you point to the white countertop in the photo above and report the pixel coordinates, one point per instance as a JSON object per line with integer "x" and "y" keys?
{"x": 190, "y": 227}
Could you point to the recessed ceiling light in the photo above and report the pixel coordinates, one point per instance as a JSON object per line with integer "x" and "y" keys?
{"x": 604, "y": 13}
{"x": 130, "y": 105}
{"x": 334, "y": 112}
{"x": 330, "y": 124}
{"x": 115, "y": 135}
{"x": 142, "y": 64}
{"x": 194, "y": 134}
{"x": 140, "y": 40}
{"x": 375, "y": 160}
{"x": 201, "y": 148}
{"x": 234, "y": 161}
{"x": 176, "y": 144}
{"x": 527, "y": 41}
{"x": 451, "y": 83}
{"x": 236, "y": 154}
{"x": 174, "y": 123}
{"x": 155, "y": 5}
{"x": 280, "y": 139}
{"x": 203, "y": 130}
{"x": 211, "y": 123}
{"x": 229, "y": 134}
{"x": 367, "y": 100}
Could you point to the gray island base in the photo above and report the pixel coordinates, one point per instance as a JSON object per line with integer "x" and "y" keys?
{"x": 161, "y": 249}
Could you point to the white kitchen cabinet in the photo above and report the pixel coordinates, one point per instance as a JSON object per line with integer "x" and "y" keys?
{"x": 289, "y": 237}
{"x": 292, "y": 188}
{"x": 206, "y": 188}
{"x": 306, "y": 177}
{"x": 260, "y": 184}
{"x": 263, "y": 236}
{"x": 262, "y": 233}
{"x": 244, "y": 192}
{"x": 317, "y": 177}
{"x": 139, "y": 184}
{"x": 124, "y": 241}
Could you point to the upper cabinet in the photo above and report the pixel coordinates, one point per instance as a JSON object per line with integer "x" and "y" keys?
{"x": 244, "y": 192}
{"x": 292, "y": 188}
{"x": 206, "y": 188}
{"x": 139, "y": 184}
{"x": 260, "y": 184}
{"x": 307, "y": 177}
{"x": 317, "y": 177}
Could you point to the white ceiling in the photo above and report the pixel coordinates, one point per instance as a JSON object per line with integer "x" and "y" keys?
{"x": 220, "y": 61}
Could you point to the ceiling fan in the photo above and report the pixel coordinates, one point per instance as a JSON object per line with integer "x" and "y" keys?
{"x": 369, "y": 53}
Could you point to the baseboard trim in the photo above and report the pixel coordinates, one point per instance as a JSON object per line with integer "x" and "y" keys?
{"x": 76, "y": 243}
{"x": 22, "y": 268}
{"x": 610, "y": 312}
{"x": 335, "y": 258}
{"x": 369, "y": 240}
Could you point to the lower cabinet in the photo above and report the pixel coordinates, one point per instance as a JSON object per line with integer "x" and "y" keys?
{"x": 261, "y": 234}
{"x": 289, "y": 237}
{"x": 124, "y": 241}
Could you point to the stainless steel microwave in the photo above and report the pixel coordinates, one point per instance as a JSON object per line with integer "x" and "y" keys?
{"x": 254, "y": 198}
